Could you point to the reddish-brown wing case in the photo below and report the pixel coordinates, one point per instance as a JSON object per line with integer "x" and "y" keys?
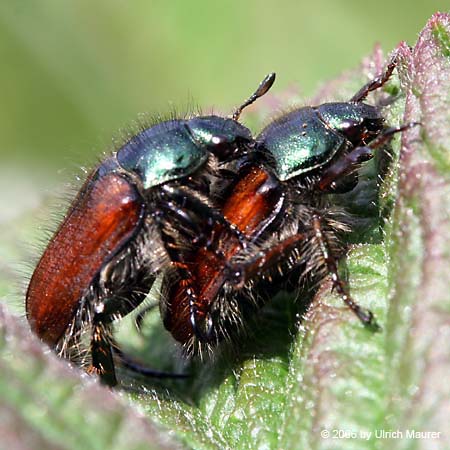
{"x": 249, "y": 207}
{"x": 102, "y": 218}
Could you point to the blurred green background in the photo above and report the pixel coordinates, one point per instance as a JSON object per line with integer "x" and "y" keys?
{"x": 72, "y": 74}
{"x": 75, "y": 72}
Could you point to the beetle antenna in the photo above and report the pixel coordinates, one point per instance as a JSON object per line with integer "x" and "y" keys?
{"x": 263, "y": 87}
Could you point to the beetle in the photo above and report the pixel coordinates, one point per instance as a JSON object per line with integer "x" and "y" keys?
{"x": 135, "y": 215}
{"x": 281, "y": 203}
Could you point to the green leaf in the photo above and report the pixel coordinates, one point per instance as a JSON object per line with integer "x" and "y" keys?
{"x": 307, "y": 367}
{"x": 46, "y": 405}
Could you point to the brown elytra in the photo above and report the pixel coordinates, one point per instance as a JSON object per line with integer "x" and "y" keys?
{"x": 102, "y": 217}
{"x": 249, "y": 207}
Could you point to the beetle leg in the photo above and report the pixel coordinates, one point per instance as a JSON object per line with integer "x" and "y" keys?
{"x": 347, "y": 163}
{"x": 186, "y": 200}
{"x": 376, "y": 83}
{"x": 387, "y": 134}
{"x": 201, "y": 322}
{"x": 202, "y": 236}
{"x": 264, "y": 260}
{"x": 343, "y": 166}
{"x": 177, "y": 204}
{"x": 241, "y": 272}
{"x": 102, "y": 359}
{"x": 185, "y": 218}
{"x": 134, "y": 366}
{"x": 202, "y": 325}
{"x": 364, "y": 315}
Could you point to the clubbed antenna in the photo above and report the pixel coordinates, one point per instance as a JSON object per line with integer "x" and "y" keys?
{"x": 263, "y": 87}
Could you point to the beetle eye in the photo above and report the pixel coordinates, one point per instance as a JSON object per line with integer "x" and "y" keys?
{"x": 218, "y": 140}
{"x": 352, "y": 130}
{"x": 226, "y": 151}
{"x": 349, "y": 124}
